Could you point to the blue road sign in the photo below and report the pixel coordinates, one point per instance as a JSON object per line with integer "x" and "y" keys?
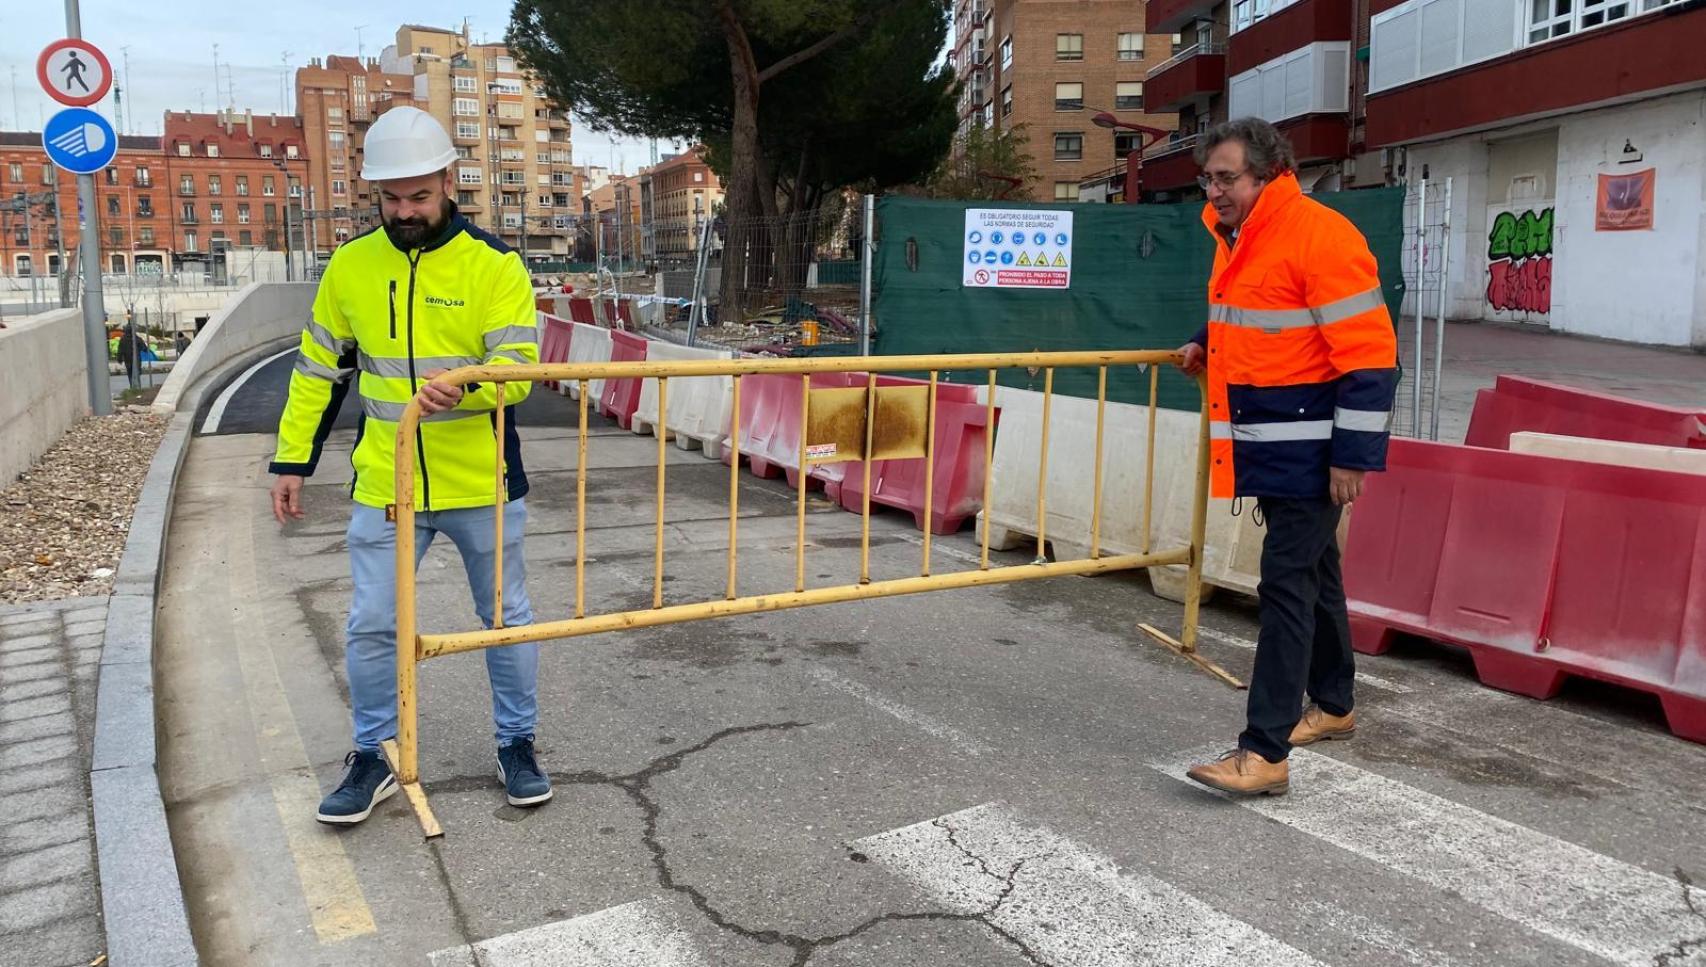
{"x": 1041, "y": 238}
{"x": 975, "y": 237}
{"x": 990, "y": 256}
{"x": 1006, "y": 258}
{"x": 995, "y": 238}
{"x": 79, "y": 140}
{"x": 1060, "y": 239}
{"x": 974, "y": 257}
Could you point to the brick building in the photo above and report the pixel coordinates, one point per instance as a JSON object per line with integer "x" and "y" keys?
{"x": 228, "y": 178}
{"x": 211, "y": 182}
{"x": 337, "y": 99}
{"x": 131, "y": 193}
{"x": 685, "y": 192}
{"x": 1051, "y": 66}
{"x": 516, "y": 159}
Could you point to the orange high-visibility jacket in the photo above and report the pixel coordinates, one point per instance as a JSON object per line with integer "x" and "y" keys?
{"x": 1302, "y": 357}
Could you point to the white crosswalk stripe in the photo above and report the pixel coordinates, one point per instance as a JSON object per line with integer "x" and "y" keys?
{"x": 1615, "y": 910}
{"x": 644, "y": 933}
{"x": 1066, "y": 904}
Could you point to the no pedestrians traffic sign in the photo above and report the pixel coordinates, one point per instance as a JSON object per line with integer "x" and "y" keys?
{"x": 74, "y": 72}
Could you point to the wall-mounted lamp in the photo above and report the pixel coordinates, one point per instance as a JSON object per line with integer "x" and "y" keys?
{"x": 1629, "y": 155}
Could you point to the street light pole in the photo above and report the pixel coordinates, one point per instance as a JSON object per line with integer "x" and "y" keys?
{"x": 89, "y": 248}
{"x": 1134, "y": 157}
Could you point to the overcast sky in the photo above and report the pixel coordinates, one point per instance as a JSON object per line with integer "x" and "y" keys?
{"x": 171, "y": 51}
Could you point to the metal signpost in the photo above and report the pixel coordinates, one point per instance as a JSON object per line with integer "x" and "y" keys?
{"x": 75, "y": 73}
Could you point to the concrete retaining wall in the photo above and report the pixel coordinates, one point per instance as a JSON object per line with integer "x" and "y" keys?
{"x": 45, "y": 378}
{"x": 260, "y": 313}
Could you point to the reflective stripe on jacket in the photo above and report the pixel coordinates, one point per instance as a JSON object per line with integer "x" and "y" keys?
{"x": 393, "y": 316}
{"x": 1302, "y": 355}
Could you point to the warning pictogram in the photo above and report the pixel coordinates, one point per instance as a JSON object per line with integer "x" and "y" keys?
{"x": 1060, "y": 260}
{"x": 1024, "y": 259}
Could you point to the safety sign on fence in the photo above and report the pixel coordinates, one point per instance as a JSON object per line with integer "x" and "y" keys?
{"x": 1018, "y": 248}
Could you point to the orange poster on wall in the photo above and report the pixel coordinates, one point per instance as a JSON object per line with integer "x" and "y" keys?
{"x": 1625, "y": 202}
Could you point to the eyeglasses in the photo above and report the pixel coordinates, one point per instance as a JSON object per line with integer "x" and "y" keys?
{"x": 1225, "y": 179}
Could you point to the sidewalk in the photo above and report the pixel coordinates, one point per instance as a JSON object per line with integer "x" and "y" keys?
{"x": 49, "y": 894}
{"x": 1476, "y": 354}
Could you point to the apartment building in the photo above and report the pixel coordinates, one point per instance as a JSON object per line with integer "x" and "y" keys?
{"x": 131, "y": 193}
{"x": 1052, "y": 67}
{"x": 515, "y": 175}
{"x": 685, "y": 192}
{"x": 211, "y": 182}
{"x": 1573, "y": 133}
{"x": 337, "y": 99}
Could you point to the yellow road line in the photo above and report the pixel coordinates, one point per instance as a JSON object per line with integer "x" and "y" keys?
{"x": 330, "y": 889}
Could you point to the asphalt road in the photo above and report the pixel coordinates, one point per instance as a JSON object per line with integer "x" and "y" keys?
{"x": 988, "y": 776}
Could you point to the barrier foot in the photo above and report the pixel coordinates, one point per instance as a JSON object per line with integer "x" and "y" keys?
{"x": 430, "y": 828}
{"x": 1172, "y": 644}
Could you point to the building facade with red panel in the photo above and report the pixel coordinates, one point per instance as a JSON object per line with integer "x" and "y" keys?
{"x": 1574, "y": 133}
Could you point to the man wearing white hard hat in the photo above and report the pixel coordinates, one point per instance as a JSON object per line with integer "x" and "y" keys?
{"x": 396, "y": 309}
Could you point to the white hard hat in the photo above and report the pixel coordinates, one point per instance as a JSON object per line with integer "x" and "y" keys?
{"x": 405, "y": 142}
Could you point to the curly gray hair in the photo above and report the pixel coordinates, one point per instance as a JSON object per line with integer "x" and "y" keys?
{"x": 1266, "y": 151}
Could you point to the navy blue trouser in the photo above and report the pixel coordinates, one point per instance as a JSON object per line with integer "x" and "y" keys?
{"x": 1305, "y": 641}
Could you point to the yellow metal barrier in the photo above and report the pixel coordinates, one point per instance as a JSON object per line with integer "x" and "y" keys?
{"x": 878, "y": 404}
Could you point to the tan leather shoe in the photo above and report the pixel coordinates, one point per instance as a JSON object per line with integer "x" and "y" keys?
{"x": 1245, "y": 773}
{"x": 1317, "y": 725}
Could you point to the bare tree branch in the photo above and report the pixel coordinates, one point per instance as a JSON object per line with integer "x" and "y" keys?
{"x": 801, "y": 56}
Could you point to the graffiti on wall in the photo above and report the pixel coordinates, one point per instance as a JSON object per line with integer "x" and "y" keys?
{"x": 1519, "y": 262}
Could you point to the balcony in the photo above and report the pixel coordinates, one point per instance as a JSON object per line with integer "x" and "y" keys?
{"x": 142, "y": 181}
{"x": 186, "y": 191}
{"x": 1576, "y": 72}
{"x": 1171, "y": 166}
{"x": 1287, "y": 28}
{"x": 145, "y": 213}
{"x": 1198, "y": 71}
{"x": 189, "y": 219}
{"x": 1172, "y": 16}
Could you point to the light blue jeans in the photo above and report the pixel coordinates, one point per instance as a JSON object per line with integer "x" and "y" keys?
{"x": 370, "y": 651}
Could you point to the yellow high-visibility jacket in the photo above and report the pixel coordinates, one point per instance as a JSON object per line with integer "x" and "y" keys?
{"x": 463, "y": 299}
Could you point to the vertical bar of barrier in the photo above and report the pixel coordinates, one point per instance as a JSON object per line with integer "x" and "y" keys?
{"x": 662, "y": 431}
{"x": 408, "y": 648}
{"x": 1439, "y": 316}
{"x": 498, "y": 518}
{"x": 734, "y": 483}
{"x": 1096, "y": 488}
{"x": 1149, "y": 468}
{"x": 580, "y": 513}
{"x": 929, "y": 470}
{"x": 1199, "y": 525}
{"x": 800, "y": 545}
{"x": 1421, "y": 313}
{"x": 865, "y": 506}
{"x": 1042, "y": 470}
{"x": 988, "y": 466}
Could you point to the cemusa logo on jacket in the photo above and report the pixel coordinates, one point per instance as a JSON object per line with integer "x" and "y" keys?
{"x": 374, "y": 319}
{"x": 1302, "y": 354}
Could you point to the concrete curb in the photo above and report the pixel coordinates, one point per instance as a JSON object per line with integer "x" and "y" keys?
{"x": 142, "y": 899}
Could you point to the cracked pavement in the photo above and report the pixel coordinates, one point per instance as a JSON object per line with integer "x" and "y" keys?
{"x": 798, "y": 788}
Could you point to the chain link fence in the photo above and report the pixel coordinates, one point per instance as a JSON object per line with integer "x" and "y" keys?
{"x": 785, "y": 285}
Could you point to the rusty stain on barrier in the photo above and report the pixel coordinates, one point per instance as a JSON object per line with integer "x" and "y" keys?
{"x": 883, "y": 422}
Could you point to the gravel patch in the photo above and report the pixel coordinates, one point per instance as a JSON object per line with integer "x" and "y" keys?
{"x": 63, "y": 523}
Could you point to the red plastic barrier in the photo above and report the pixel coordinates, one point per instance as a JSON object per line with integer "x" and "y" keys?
{"x": 960, "y": 430}
{"x": 770, "y": 422}
{"x": 1517, "y": 403}
{"x": 625, "y": 313}
{"x": 580, "y": 310}
{"x": 554, "y": 341}
{"x": 622, "y": 396}
{"x": 1541, "y": 567}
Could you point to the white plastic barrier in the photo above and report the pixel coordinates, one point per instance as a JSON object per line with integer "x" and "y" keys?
{"x": 699, "y": 406}
{"x": 1071, "y": 462}
{"x": 590, "y": 344}
{"x": 1615, "y": 452}
{"x": 1233, "y": 545}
